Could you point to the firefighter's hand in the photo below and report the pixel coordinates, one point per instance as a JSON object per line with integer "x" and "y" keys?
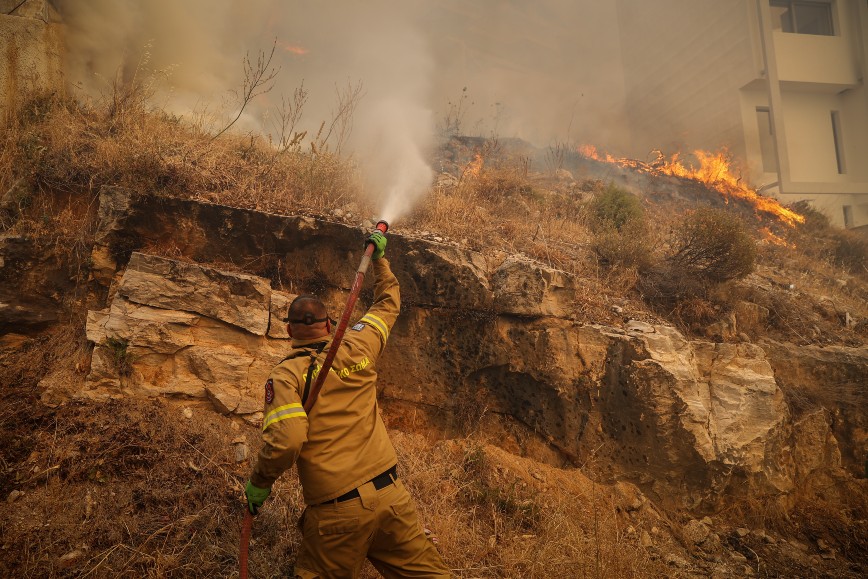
{"x": 255, "y": 497}
{"x": 378, "y": 240}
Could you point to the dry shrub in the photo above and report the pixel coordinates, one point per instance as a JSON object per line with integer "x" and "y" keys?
{"x": 850, "y": 251}
{"x": 694, "y": 313}
{"x": 625, "y": 248}
{"x": 815, "y": 220}
{"x": 714, "y": 246}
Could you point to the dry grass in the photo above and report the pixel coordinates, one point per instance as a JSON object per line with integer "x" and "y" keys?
{"x": 60, "y": 145}
{"x": 137, "y": 489}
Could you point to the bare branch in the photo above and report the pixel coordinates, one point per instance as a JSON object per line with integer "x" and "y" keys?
{"x": 342, "y": 119}
{"x": 257, "y": 81}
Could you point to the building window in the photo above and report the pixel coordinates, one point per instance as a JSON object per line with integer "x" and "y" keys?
{"x": 839, "y": 142}
{"x": 803, "y": 16}
{"x": 766, "y": 139}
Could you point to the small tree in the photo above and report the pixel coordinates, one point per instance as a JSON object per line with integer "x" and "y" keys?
{"x": 714, "y": 246}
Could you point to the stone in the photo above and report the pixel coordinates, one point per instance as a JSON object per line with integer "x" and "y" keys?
{"x": 741, "y": 532}
{"x": 737, "y": 557}
{"x": 676, "y": 561}
{"x": 188, "y": 413}
{"x": 70, "y": 559}
{"x": 695, "y": 532}
{"x": 645, "y": 539}
{"x": 640, "y": 327}
{"x": 443, "y": 276}
{"x": 236, "y": 298}
{"x": 14, "y": 496}
{"x": 241, "y": 451}
{"x": 339, "y": 213}
{"x": 278, "y": 309}
{"x": 526, "y": 288}
{"x": 750, "y": 317}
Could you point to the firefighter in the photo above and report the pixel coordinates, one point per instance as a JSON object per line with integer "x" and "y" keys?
{"x": 356, "y": 504}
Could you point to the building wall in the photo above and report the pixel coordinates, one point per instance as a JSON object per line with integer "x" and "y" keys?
{"x": 752, "y": 96}
{"x": 810, "y": 140}
{"x": 31, "y": 52}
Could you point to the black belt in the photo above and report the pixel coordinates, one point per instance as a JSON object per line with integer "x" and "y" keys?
{"x": 380, "y": 481}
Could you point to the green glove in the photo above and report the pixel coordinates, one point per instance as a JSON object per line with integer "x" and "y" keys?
{"x": 255, "y": 497}
{"x": 379, "y": 242}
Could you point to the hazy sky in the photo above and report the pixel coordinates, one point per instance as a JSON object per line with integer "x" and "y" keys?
{"x": 546, "y": 70}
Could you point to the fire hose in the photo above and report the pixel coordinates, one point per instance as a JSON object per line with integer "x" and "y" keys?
{"x": 247, "y": 524}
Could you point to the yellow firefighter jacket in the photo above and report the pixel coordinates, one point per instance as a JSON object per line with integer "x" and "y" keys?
{"x": 343, "y": 442}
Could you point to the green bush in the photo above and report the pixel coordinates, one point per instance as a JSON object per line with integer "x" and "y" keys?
{"x": 614, "y": 208}
{"x": 713, "y": 245}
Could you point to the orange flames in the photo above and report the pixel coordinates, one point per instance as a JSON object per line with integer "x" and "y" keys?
{"x": 474, "y": 167}
{"x": 774, "y": 239}
{"x": 294, "y": 48}
{"x": 714, "y": 171}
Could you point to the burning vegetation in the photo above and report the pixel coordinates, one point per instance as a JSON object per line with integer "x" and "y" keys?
{"x": 715, "y": 171}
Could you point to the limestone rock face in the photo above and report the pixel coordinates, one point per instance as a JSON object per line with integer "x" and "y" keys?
{"x": 658, "y": 409}
{"x": 477, "y": 348}
{"x": 174, "y": 328}
{"x": 523, "y": 287}
{"x": 444, "y": 276}
{"x": 239, "y": 299}
{"x": 832, "y": 377}
{"x": 277, "y": 312}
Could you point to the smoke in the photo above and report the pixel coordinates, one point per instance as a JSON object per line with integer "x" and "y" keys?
{"x": 547, "y": 71}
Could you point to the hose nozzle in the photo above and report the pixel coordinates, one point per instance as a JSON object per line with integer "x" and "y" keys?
{"x": 382, "y": 226}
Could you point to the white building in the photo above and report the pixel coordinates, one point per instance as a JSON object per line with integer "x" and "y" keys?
{"x": 781, "y": 83}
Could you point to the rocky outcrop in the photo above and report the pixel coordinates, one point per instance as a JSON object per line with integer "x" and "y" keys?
{"x": 478, "y": 347}
{"x": 523, "y": 287}
{"x": 235, "y": 298}
{"x": 833, "y": 378}
{"x": 175, "y": 328}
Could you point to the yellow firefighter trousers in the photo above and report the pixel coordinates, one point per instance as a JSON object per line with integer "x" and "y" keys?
{"x": 381, "y": 525}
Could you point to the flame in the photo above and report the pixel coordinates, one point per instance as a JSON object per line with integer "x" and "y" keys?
{"x": 774, "y": 239}
{"x": 474, "y": 167}
{"x": 293, "y": 48}
{"x": 714, "y": 171}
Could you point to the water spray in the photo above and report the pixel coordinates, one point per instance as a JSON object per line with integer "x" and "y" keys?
{"x": 382, "y": 226}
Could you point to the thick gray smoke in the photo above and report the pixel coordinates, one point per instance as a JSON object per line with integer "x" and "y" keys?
{"x": 546, "y": 71}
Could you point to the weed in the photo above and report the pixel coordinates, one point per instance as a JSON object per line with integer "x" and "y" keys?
{"x": 121, "y": 356}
